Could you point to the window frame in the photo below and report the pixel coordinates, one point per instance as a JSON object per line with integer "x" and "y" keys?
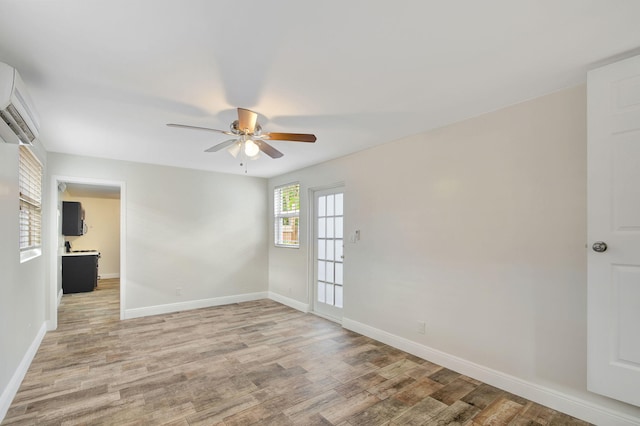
{"x": 279, "y": 214}
{"x": 30, "y": 177}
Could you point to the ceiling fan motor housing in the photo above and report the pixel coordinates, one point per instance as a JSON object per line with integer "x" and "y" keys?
{"x": 235, "y": 128}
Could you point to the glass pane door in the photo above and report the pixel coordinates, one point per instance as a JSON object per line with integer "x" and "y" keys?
{"x": 329, "y": 259}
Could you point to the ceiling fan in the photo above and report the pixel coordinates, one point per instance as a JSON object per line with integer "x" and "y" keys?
{"x": 249, "y": 138}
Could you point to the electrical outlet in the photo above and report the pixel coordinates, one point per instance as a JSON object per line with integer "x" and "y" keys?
{"x": 421, "y": 327}
{"x": 178, "y": 291}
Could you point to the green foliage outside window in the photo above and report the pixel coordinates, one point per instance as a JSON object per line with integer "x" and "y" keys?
{"x": 291, "y": 199}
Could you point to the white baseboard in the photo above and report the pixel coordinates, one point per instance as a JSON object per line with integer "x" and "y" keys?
{"x": 292, "y": 303}
{"x": 109, "y": 276}
{"x": 59, "y": 297}
{"x": 560, "y": 401}
{"x": 192, "y": 304}
{"x": 11, "y": 390}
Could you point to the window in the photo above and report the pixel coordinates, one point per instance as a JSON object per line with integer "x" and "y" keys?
{"x": 286, "y": 206}
{"x": 30, "y": 182}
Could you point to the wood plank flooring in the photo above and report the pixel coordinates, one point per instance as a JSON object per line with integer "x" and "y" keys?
{"x": 242, "y": 364}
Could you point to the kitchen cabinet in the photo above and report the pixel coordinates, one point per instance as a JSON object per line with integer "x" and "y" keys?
{"x": 79, "y": 272}
{"x": 72, "y": 218}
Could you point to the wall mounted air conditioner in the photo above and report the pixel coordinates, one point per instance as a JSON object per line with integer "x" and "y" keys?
{"x": 18, "y": 119}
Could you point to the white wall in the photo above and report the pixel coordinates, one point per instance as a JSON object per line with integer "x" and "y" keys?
{"x": 477, "y": 228}
{"x": 204, "y": 232}
{"x": 102, "y": 217}
{"x": 23, "y": 289}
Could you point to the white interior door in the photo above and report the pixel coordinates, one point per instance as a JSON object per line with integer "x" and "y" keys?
{"x": 328, "y": 252}
{"x": 614, "y": 219}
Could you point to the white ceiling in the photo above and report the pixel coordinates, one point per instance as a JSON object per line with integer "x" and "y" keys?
{"x": 106, "y": 76}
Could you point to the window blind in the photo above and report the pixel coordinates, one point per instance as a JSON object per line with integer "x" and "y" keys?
{"x": 286, "y": 202}
{"x": 30, "y": 185}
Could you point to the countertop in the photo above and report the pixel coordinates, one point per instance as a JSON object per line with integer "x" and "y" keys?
{"x": 82, "y": 253}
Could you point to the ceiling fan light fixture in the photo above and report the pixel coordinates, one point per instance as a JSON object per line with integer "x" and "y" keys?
{"x": 234, "y": 149}
{"x": 251, "y": 148}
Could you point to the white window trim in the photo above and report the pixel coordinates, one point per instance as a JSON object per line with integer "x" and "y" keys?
{"x": 27, "y": 255}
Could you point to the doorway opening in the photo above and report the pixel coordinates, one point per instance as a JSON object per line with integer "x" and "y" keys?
{"x": 101, "y": 229}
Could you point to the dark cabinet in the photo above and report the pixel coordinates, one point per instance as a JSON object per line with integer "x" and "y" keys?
{"x": 72, "y": 218}
{"x": 79, "y": 273}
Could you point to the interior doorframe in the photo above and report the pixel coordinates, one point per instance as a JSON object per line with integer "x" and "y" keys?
{"x": 52, "y": 321}
{"x": 311, "y": 206}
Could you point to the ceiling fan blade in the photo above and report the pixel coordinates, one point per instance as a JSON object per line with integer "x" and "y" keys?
{"x": 247, "y": 120}
{"x": 221, "y": 145}
{"x": 292, "y": 137}
{"x": 268, "y": 149}
{"x": 199, "y": 128}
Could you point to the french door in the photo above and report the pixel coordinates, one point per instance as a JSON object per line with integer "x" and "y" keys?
{"x": 328, "y": 252}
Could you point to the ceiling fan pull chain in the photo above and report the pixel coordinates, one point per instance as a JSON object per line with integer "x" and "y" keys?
{"x": 243, "y": 159}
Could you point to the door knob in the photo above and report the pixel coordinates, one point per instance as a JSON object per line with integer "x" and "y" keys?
{"x": 599, "y": 246}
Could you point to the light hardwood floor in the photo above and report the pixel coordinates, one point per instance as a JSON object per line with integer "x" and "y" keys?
{"x": 249, "y": 363}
